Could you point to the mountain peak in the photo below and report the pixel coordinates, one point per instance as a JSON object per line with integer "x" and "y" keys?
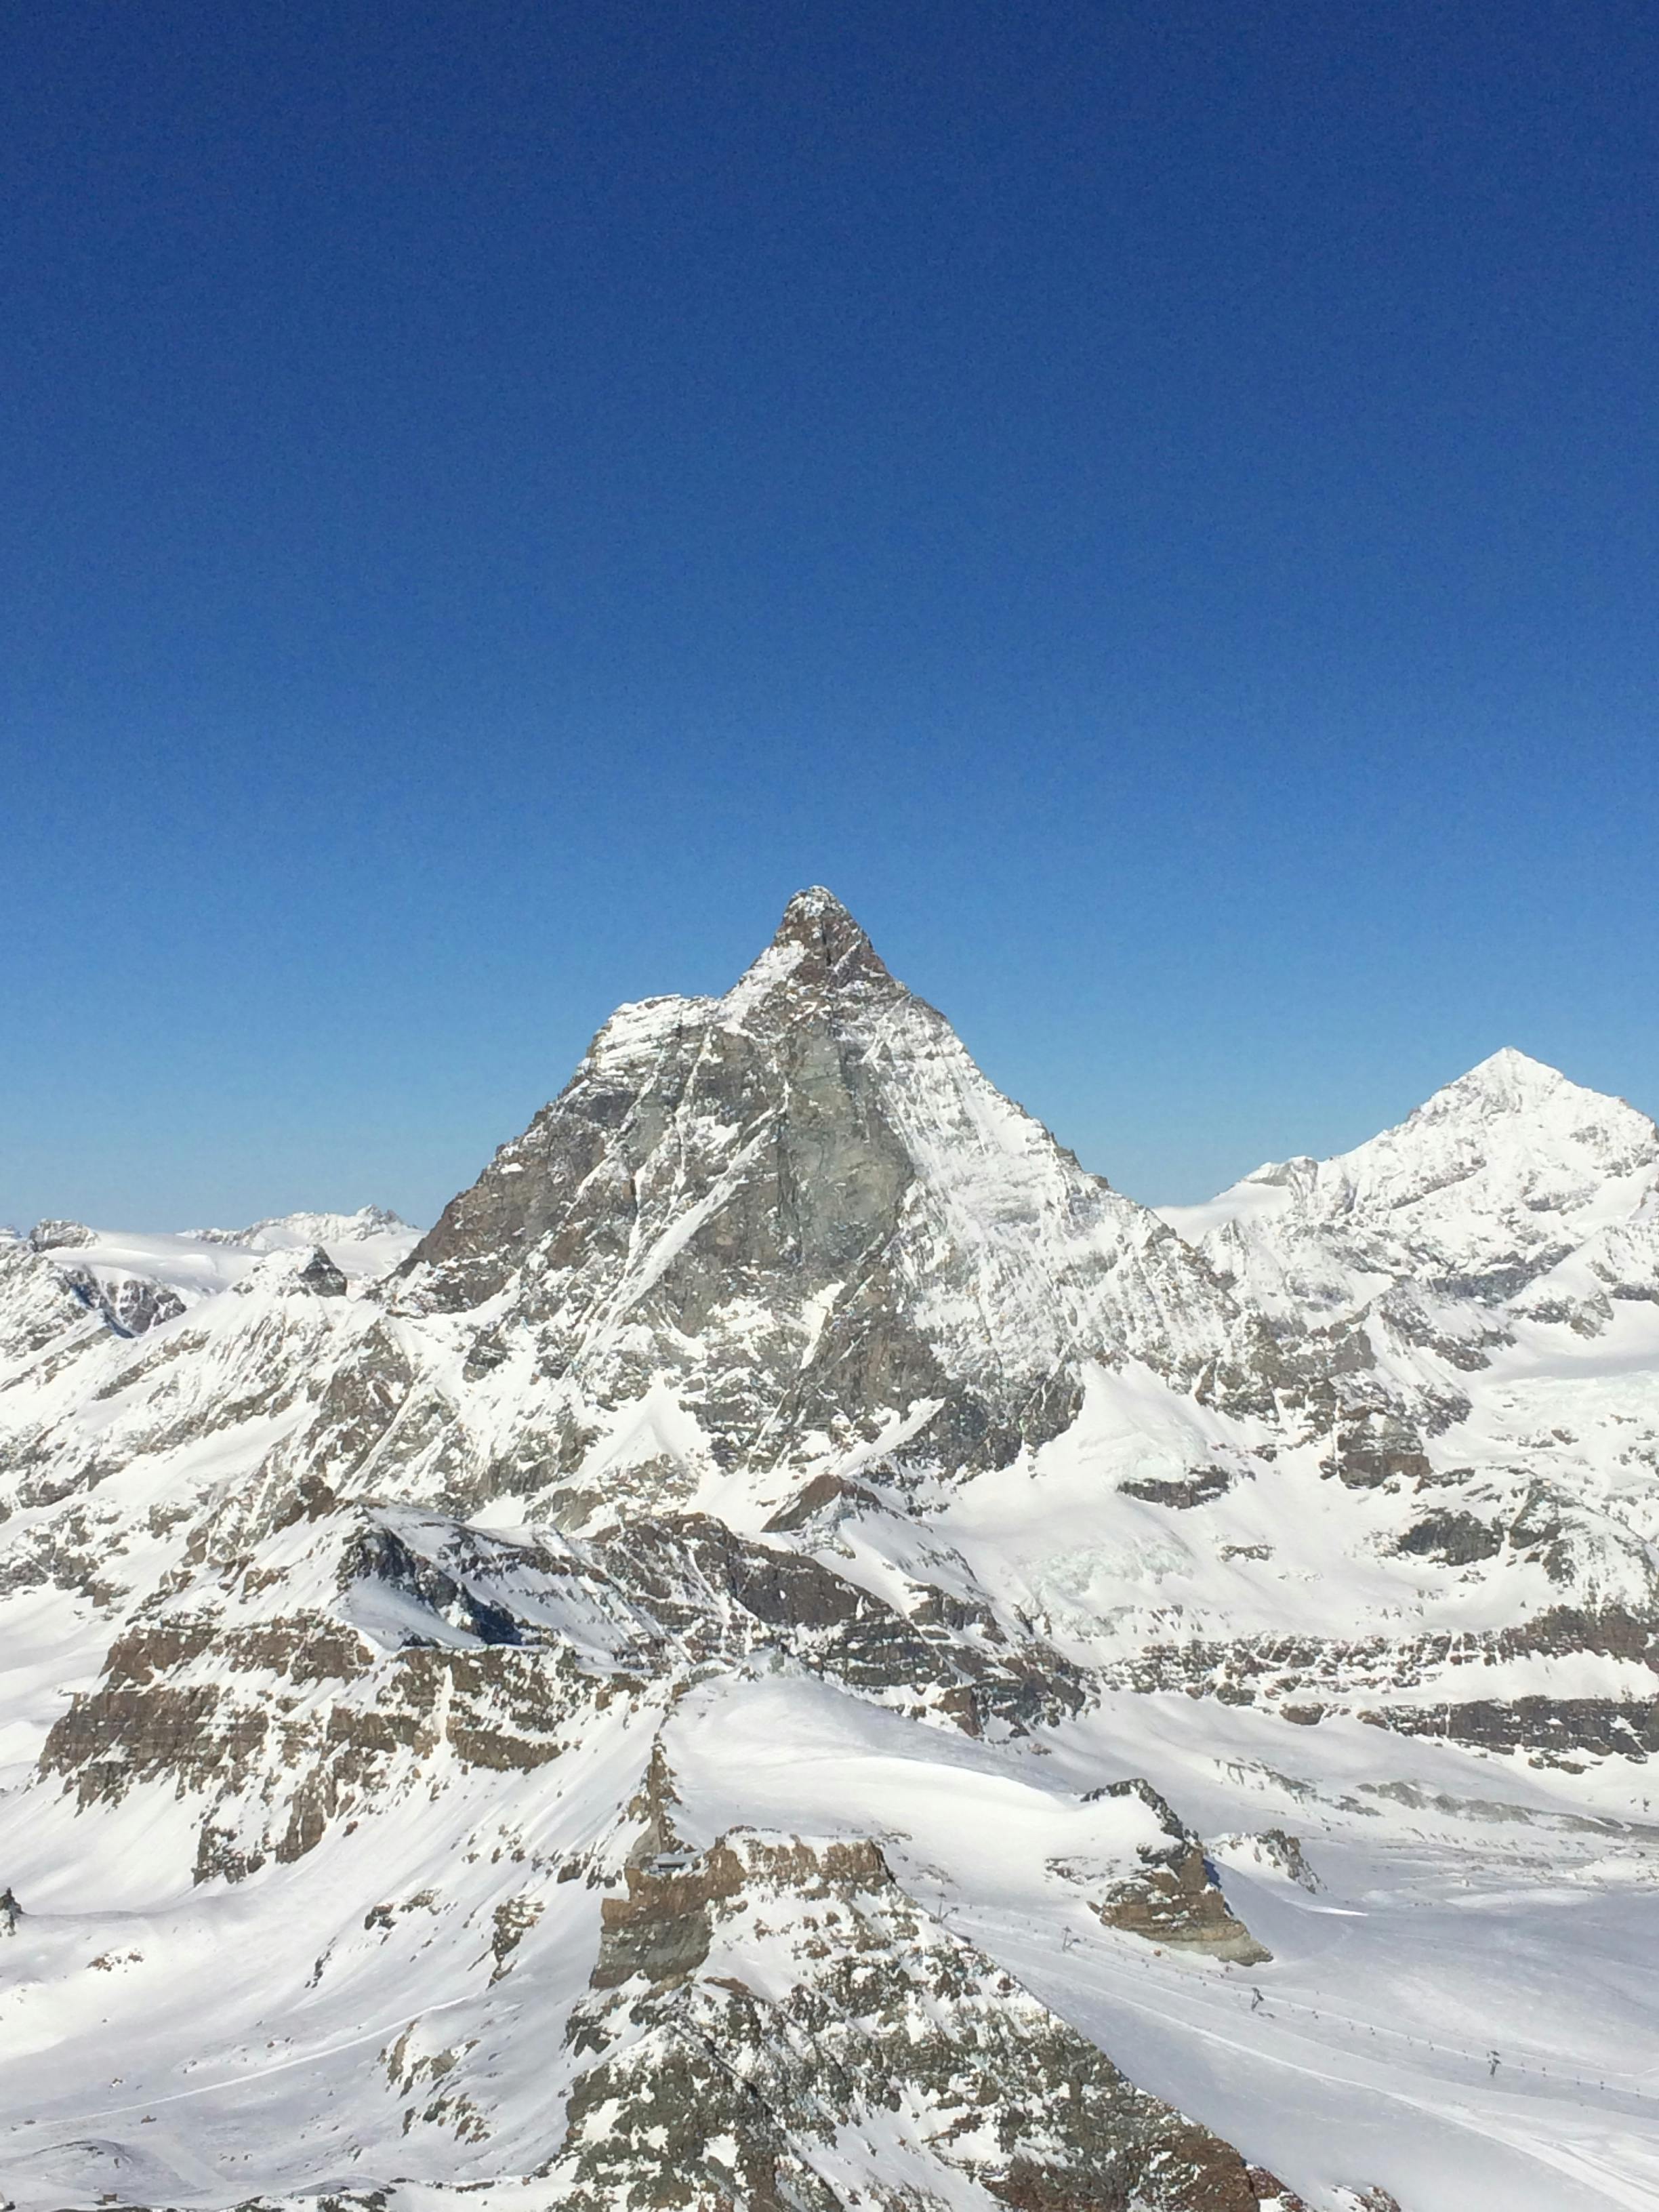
{"x": 1511, "y": 1074}
{"x": 1511, "y": 1088}
{"x": 818, "y": 948}
{"x": 817, "y": 923}
{"x": 1485, "y": 1186}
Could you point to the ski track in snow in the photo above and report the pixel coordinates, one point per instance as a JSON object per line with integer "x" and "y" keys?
{"x": 1502, "y": 2117}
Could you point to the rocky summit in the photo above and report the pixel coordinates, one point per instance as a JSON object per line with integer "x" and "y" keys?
{"x": 798, "y": 1650}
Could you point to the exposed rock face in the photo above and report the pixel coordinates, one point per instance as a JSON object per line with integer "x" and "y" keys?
{"x": 334, "y": 1672}
{"x": 1175, "y": 1898}
{"x": 328, "y": 1671}
{"x": 1270, "y": 1848}
{"x": 38, "y": 1307}
{"x": 1557, "y": 1730}
{"x": 131, "y": 1303}
{"x": 709, "y": 2088}
{"x": 803, "y": 1209}
{"x": 59, "y": 1236}
{"x": 320, "y": 1275}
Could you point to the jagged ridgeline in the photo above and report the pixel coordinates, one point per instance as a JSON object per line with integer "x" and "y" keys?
{"x": 746, "y": 1665}
{"x": 796, "y": 1223}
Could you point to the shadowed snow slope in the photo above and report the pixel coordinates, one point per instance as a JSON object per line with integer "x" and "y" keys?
{"x": 799, "y": 1650}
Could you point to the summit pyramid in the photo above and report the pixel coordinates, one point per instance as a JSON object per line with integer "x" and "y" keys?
{"x": 801, "y": 1222}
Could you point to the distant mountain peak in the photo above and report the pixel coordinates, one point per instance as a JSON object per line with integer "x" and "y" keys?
{"x": 1486, "y": 1186}
{"x": 51, "y": 1236}
{"x": 1510, "y": 1064}
{"x": 825, "y": 946}
{"x": 817, "y": 906}
{"x": 1533, "y": 1105}
{"x": 818, "y": 953}
{"x": 1508, "y": 1078}
{"x": 815, "y": 1146}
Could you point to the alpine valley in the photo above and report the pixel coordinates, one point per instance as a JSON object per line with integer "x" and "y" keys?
{"x": 799, "y": 1651}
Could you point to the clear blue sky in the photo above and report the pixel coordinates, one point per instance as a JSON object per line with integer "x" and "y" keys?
{"x": 1156, "y": 505}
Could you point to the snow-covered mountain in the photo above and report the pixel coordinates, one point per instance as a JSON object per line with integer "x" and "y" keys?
{"x": 799, "y": 1651}
{"x": 137, "y": 1280}
{"x": 795, "y": 1233}
{"x": 1486, "y": 1188}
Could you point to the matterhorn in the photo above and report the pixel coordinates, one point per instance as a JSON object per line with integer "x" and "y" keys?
{"x": 798, "y": 1650}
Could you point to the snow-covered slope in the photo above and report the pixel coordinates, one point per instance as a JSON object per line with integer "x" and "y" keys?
{"x": 136, "y": 1279}
{"x": 799, "y": 1650}
{"x": 1487, "y": 1186}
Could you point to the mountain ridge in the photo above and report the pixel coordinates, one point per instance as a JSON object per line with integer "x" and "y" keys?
{"x": 788, "y": 1557}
